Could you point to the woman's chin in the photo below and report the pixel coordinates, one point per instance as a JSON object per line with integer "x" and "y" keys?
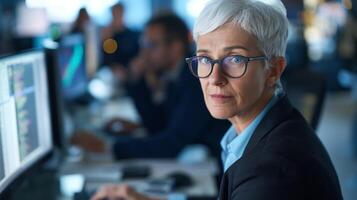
{"x": 221, "y": 113}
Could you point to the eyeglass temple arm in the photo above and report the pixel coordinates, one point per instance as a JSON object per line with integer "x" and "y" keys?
{"x": 258, "y": 58}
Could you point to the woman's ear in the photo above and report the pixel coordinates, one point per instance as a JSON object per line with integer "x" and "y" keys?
{"x": 276, "y": 70}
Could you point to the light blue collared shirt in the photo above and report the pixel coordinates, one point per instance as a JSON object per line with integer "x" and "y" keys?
{"x": 233, "y": 145}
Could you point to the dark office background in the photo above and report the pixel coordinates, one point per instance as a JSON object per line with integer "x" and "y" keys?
{"x": 321, "y": 54}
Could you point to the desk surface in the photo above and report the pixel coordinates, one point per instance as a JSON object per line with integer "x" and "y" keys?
{"x": 97, "y": 174}
{"x": 45, "y": 183}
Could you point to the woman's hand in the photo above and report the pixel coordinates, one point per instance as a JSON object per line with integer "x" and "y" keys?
{"x": 119, "y": 192}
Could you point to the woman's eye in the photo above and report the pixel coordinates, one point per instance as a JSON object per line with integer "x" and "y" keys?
{"x": 204, "y": 61}
{"x": 235, "y": 60}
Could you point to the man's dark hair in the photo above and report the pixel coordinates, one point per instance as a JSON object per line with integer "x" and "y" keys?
{"x": 174, "y": 28}
{"x": 118, "y": 5}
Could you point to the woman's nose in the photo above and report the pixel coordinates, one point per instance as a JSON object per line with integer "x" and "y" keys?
{"x": 217, "y": 77}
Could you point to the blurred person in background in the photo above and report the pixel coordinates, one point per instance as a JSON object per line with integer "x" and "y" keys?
{"x": 270, "y": 152}
{"x": 347, "y": 49}
{"x": 166, "y": 96}
{"x": 120, "y": 44}
{"x": 82, "y": 22}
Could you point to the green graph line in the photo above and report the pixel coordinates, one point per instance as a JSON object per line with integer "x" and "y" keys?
{"x": 73, "y": 65}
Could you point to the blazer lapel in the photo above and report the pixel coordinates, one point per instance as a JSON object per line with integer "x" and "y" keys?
{"x": 278, "y": 113}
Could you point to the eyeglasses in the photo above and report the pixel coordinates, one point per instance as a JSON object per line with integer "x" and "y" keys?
{"x": 233, "y": 66}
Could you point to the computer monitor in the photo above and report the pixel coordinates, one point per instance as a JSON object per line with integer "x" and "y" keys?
{"x": 2, "y": 167}
{"x": 25, "y": 125}
{"x": 57, "y": 105}
{"x": 72, "y": 65}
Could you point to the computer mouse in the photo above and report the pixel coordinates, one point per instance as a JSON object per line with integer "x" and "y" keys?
{"x": 180, "y": 179}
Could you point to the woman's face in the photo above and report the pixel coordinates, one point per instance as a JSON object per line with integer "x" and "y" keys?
{"x": 230, "y": 97}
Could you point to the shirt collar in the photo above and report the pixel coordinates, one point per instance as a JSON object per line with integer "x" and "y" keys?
{"x": 236, "y": 144}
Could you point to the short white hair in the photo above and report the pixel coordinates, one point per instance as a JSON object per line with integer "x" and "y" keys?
{"x": 267, "y": 22}
{"x": 264, "y": 19}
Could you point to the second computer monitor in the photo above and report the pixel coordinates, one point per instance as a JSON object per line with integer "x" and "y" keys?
{"x": 72, "y": 66}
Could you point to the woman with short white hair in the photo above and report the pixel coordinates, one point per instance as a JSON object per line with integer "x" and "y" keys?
{"x": 270, "y": 152}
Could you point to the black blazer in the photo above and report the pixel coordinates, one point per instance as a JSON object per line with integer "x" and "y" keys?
{"x": 284, "y": 159}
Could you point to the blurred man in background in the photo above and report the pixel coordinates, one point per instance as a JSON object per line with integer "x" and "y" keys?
{"x": 166, "y": 96}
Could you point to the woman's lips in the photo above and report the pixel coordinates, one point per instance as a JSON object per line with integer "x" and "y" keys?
{"x": 220, "y": 98}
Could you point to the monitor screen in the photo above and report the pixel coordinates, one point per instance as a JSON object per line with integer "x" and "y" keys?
{"x": 2, "y": 167}
{"x": 71, "y": 61}
{"x": 25, "y": 126}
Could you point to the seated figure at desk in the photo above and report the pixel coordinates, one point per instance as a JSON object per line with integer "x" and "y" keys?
{"x": 166, "y": 96}
{"x": 270, "y": 152}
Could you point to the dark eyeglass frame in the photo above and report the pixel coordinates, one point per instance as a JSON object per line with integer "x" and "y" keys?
{"x": 246, "y": 60}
